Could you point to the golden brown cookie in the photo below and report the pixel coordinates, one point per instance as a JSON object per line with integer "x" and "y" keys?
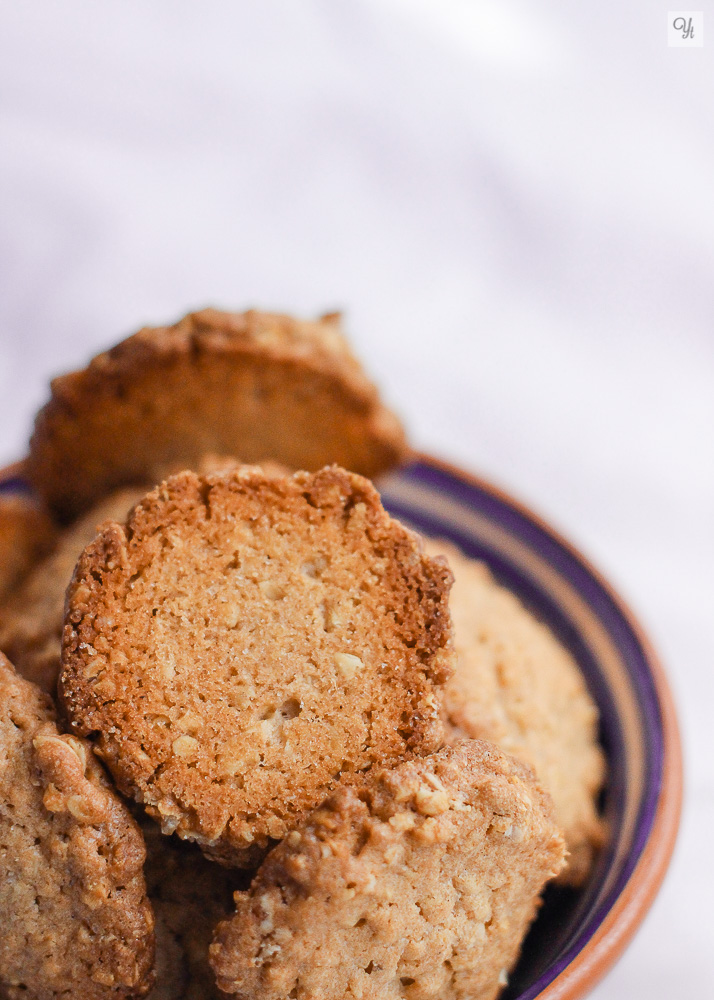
{"x": 76, "y": 920}
{"x": 26, "y": 535}
{"x": 418, "y": 883}
{"x": 516, "y": 685}
{"x": 246, "y": 641}
{"x": 256, "y": 385}
{"x": 31, "y": 619}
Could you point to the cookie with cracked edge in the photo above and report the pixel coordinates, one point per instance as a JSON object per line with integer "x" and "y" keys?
{"x": 72, "y": 891}
{"x": 420, "y": 882}
{"x": 27, "y": 534}
{"x": 257, "y": 385}
{"x": 516, "y": 685}
{"x": 245, "y": 642}
{"x": 31, "y": 619}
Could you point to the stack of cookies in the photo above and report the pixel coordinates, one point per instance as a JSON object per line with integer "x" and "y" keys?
{"x": 252, "y": 741}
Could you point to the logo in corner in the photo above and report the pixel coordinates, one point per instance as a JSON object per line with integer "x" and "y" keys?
{"x": 685, "y": 29}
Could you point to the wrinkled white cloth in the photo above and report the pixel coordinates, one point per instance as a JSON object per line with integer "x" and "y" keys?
{"x": 511, "y": 201}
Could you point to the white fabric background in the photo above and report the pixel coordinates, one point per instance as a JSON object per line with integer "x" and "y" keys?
{"x": 512, "y": 202}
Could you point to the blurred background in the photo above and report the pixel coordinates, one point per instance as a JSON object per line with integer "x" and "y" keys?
{"x": 512, "y": 203}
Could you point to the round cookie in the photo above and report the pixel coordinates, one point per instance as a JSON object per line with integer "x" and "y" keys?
{"x": 257, "y": 385}
{"x": 246, "y": 642}
{"x": 516, "y": 685}
{"x": 76, "y": 918}
{"x": 418, "y": 883}
{"x": 26, "y": 535}
{"x": 31, "y": 620}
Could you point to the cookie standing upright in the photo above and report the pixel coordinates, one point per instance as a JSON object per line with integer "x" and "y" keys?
{"x": 515, "y": 684}
{"x": 255, "y": 385}
{"x": 246, "y": 641}
{"x": 420, "y": 882}
{"x": 76, "y": 920}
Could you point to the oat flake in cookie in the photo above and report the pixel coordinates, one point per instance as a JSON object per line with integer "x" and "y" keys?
{"x": 418, "y": 883}
{"x": 246, "y": 642}
{"x": 256, "y": 385}
{"x": 76, "y": 922}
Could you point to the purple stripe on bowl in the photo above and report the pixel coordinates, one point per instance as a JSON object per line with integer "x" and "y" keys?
{"x": 15, "y": 485}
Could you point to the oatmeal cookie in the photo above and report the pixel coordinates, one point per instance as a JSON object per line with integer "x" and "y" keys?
{"x": 245, "y": 641}
{"x": 26, "y": 536}
{"x": 516, "y": 685}
{"x": 257, "y": 385}
{"x": 31, "y": 620}
{"x": 418, "y": 883}
{"x": 76, "y": 920}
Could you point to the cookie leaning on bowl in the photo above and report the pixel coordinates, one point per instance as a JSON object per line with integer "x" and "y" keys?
{"x": 257, "y": 385}
{"x": 516, "y": 685}
{"x": 76, "y": 920}
{"x": 246, "y": 642}
{"x": 417, "y": 882}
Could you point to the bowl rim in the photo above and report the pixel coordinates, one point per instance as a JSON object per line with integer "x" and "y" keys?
{"x": 626, "y": 914}
{"x": 619, "y": 925}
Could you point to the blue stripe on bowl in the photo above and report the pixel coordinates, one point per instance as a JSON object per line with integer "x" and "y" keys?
{"x": 563, "y": 592}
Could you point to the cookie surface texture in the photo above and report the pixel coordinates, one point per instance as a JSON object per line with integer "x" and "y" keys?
{"x": 418, "y": 884}
{"x": 256, "y": 385}
{"x": 518, "y": 686}
{"x": 76, "y": 920}
{"x": 247, "y": 641}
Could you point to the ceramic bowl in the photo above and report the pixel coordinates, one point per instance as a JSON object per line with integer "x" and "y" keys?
{"x": 578, "y": 935}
